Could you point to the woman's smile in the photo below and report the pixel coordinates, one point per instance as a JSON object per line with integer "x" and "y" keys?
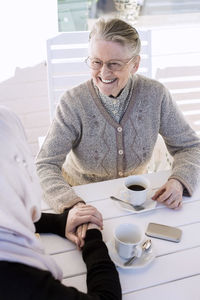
{"x": 110, "y": 82}
{"x": 107, "y": 81}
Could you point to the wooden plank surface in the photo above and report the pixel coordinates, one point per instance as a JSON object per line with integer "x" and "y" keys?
{"x": 163, "y": 270}
{"x": 176, "y": 267}
{"x": 182, "y": 289}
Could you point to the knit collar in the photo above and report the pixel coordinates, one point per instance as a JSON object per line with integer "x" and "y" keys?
{"x": 122, "y": 98}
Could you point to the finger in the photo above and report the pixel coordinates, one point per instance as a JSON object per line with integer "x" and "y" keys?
{"x": 170, "y": 200}
{"x": 90, "y": 219}
{"x": 87, "y": 213}
{"x": 79, "y": 231}
{"x": 90, "y": 210}
{"x": 175, "y": 204}
{"x": 81, "y": 215}
{"x": 173, "y": 197}
{"x": 73, "y": 238}
{"x": 158, "y": 193}
{"x": 164, "y": 196}
{"x": 80, "y": 220}
{"x": 84, "y": 229}
{"x": 173, "y": 201}
{"x": 177, "y": 201}
{"x": 179, "y": 205}
{"x": 90, "y": 207}
{"x": 79, "y": 235}
{"x": 82, "y": 242}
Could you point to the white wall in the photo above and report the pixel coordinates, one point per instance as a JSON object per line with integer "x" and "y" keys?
{"x": 26, "y": 94}
{"x": 24, "y": 27}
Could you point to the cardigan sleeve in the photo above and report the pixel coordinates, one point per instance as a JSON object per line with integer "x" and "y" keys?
{"x": 182, "y": 143}
{"x": 62, "y": 136}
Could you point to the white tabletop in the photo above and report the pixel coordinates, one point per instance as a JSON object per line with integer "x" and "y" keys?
{"x": 174, "y": 273}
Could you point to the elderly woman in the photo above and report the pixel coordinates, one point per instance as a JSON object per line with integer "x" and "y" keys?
{"x": 108, "y": 126}
{"x": 26, "y": 272}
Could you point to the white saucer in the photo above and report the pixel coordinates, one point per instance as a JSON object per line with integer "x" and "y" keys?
{"x": 138, "y": 263}
{"x": 149, "y": 204}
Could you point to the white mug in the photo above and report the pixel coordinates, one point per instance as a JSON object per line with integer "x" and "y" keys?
{"x": 136, "y": 189}
{"x": 128, "y": 238}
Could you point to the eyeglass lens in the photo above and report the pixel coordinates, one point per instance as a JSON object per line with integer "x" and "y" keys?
{"x": 96, "y": 64}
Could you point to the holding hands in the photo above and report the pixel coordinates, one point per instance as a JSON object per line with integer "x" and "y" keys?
{"x": 170, "y": 194}
{"x": 81, "y": 218}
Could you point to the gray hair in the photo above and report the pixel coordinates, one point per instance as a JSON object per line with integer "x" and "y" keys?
{"x": 119, "y": 31}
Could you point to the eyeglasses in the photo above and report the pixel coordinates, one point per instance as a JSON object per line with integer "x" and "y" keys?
{"x": 112, "y": 65}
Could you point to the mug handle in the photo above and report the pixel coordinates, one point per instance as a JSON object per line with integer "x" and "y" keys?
{"x": 137, "y": 251}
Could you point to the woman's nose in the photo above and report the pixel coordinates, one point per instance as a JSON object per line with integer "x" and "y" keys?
{"x": 105, "y": 70}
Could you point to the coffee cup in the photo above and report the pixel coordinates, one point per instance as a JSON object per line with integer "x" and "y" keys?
{"x": 136, "y": 189}
{"x": 128, "y": 238}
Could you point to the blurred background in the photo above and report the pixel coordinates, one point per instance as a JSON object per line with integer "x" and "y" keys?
{"x": 26, "y": 25}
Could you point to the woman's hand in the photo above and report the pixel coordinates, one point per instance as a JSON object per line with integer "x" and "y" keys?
{"x": 170, "y": 194}
{"x": 77, "y": 222}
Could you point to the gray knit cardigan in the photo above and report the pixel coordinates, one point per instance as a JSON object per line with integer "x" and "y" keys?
{"x": 98, "y": 148}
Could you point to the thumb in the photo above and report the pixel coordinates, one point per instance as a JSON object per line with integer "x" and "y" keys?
{"x": 73, "y": 238}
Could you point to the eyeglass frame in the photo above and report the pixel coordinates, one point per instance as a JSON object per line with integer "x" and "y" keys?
{"x": 107, "y": 62}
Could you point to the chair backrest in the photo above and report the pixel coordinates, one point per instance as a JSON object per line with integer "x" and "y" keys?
{"x": 66, "y": 54}
{"x": 184, "y": 85}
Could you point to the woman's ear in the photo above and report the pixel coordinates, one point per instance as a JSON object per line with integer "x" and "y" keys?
{"x": 136, "y": 64}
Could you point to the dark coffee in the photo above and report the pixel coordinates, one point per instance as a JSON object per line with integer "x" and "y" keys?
{"x": 136, "y": 187}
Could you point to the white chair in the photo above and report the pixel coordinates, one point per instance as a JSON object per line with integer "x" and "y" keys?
{"x": 161, "y": 158}
{"x": 66, "y": 54}
{"x": 184, "y": 85}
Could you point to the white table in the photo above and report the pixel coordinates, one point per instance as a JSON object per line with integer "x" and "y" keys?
{"x": 175, "y": 272}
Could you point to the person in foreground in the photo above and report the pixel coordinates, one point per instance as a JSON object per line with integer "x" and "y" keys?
{"x": 108, "y": 126}
{"x": 26, "y": 272}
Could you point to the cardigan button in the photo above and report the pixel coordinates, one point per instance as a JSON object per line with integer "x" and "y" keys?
{"x": 120, "y": 152}
{"x": 119, "y": 129}
{"x": 120, "y": 173}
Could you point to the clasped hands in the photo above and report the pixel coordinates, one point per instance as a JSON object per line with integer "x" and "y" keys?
{"x": 81, "y": 218}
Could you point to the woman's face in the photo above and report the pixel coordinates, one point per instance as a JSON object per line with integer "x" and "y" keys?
{"x": 111, "y": 82}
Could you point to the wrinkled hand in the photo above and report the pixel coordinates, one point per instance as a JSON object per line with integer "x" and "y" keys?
{"x": 170, "y": 194}
{"x": 77, "y": 222}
